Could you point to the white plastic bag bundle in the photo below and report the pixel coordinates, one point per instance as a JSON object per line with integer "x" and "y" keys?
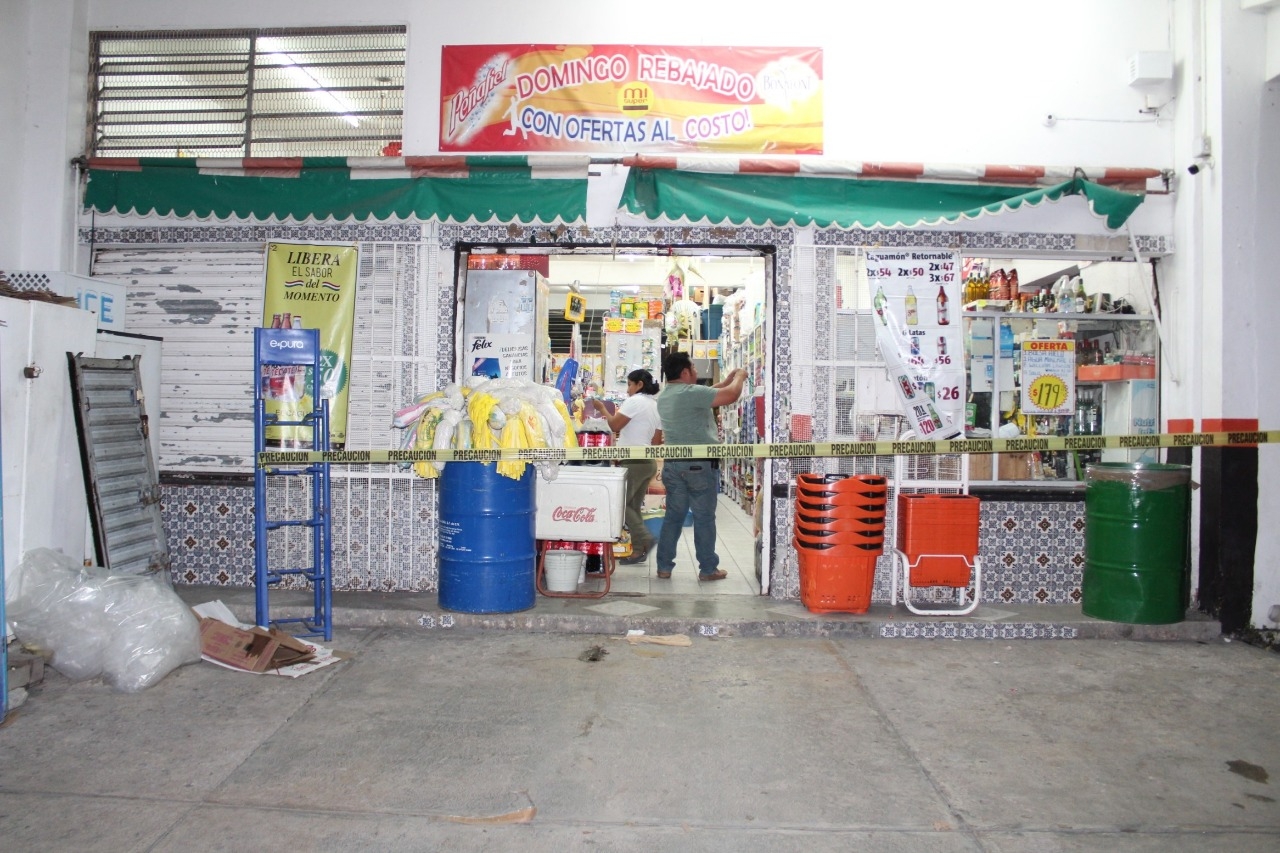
{"x": 132, "y": 630}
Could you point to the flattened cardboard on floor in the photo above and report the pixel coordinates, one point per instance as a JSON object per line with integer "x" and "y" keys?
{"x": 251, "y": 649}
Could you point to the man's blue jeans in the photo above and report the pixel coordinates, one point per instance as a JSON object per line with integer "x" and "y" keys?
{"x": 690, "y": 483}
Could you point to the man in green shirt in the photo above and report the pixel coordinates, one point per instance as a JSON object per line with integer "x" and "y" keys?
{"x": 687, "y": 418}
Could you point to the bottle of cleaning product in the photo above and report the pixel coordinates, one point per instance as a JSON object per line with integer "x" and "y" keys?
{"x": 880, "y": 302}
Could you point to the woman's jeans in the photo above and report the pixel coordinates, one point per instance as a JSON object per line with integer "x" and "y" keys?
{"x": 690, "y": 483}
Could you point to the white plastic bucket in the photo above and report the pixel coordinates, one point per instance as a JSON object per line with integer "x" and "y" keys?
{"x": 563, "y": 569}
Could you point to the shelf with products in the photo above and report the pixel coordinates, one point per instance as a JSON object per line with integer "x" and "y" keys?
{"x": 1033, "y": 373}
{"x": 740, "y": 422}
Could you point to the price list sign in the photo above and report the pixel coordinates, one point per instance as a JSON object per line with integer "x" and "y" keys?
{"x": 1049, "y": 377}
{"x": 916, "y": 296}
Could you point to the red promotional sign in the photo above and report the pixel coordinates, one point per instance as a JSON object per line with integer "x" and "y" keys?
{"x": 631, "y": 98}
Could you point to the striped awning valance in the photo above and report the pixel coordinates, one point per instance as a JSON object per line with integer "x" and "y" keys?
{"x": 842, "y": 194}
{"x": 525, "y": 189}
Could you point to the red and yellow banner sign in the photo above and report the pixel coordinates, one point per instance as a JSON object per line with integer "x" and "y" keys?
{"x": 625, "y": 98}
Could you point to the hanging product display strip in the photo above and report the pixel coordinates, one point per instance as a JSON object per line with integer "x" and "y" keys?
{"x": 786, "y": 450}
{"x": 542, "y": 189}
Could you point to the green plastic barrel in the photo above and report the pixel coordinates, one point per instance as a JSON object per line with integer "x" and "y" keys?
{"x": 1136, "y": 547}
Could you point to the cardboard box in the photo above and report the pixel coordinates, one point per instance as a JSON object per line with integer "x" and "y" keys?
{"x": 252, "y": 649}
{"x": 980, "y": 466}
{"x": 1014, "y": 466}
{"x": 1011, "y": 466}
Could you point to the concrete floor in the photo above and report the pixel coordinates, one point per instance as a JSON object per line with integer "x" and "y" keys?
{"x": 776, "y": 729}
{"x": 509, "y": 740}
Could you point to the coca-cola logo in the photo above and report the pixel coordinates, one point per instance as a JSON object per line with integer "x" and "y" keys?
{"x": 575, "y": 514}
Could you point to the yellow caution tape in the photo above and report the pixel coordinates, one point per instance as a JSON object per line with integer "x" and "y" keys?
{"x": 785, "y": 450}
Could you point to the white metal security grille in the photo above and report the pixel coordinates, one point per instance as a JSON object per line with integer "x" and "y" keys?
{"x": 247, "y": 93}
{"x": 205, "y": 302}
{"x": 838, "y": 376}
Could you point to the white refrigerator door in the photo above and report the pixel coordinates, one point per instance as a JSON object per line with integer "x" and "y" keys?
{"x": 1130, "y": 407}
{"x": 44, "y": 494}
{"x": 500, "y": 324}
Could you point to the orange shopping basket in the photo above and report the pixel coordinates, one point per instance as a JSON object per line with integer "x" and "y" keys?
{"x": 937, "y": 547}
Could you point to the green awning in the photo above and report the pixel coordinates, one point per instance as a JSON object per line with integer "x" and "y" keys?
{"x": 455, "y": 189}
{"x": 834, "y": 202}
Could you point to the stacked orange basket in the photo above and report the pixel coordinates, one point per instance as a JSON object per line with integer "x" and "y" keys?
{"x": 839, "y": 535}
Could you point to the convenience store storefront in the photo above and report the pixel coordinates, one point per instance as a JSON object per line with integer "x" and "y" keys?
{"x": 197, "y": 228}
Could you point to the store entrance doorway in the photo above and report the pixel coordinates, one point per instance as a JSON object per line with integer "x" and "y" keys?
{"x": 614, "y": 310}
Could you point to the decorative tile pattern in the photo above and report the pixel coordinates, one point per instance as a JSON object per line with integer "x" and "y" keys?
{"x": 1032, "y": 553}
{"x": 333, "y": 232}
{"x": 383, "y": 534}
{"x": 975, "y": 242}
{"x": 936, "y": 630}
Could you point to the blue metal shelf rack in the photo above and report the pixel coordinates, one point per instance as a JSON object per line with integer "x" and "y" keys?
{"x": 278, "y": 349}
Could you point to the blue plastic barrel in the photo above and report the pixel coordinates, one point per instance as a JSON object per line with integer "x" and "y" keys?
{"x": 488, "y": 552}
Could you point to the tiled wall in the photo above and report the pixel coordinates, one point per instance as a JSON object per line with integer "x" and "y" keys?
{"x": 1032, "y": 552}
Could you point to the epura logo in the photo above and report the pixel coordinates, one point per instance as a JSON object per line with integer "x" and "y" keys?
{"x": 574, "y": 514}
{"x": 275, "y": 344}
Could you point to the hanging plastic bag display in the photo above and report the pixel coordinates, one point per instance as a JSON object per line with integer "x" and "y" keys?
{"x": 487, "y": 414}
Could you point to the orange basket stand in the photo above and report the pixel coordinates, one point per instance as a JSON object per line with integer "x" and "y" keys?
{"x": 937, "y": 546}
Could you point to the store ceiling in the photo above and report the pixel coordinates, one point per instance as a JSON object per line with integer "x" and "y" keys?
{"x": 605, "y": 272}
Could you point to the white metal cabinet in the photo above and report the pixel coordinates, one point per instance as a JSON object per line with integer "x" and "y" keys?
{"x": 43, "y": 481}
{"x": 1131, "y": 407}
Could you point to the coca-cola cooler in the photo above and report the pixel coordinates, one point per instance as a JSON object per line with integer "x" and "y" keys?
{"x": 582, "y": 504}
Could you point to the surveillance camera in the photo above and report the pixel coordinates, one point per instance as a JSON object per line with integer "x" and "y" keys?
{"x": 1193, "y": 169}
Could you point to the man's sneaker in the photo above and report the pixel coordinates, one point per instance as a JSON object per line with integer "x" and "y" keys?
{"x": 636, "y": 558}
